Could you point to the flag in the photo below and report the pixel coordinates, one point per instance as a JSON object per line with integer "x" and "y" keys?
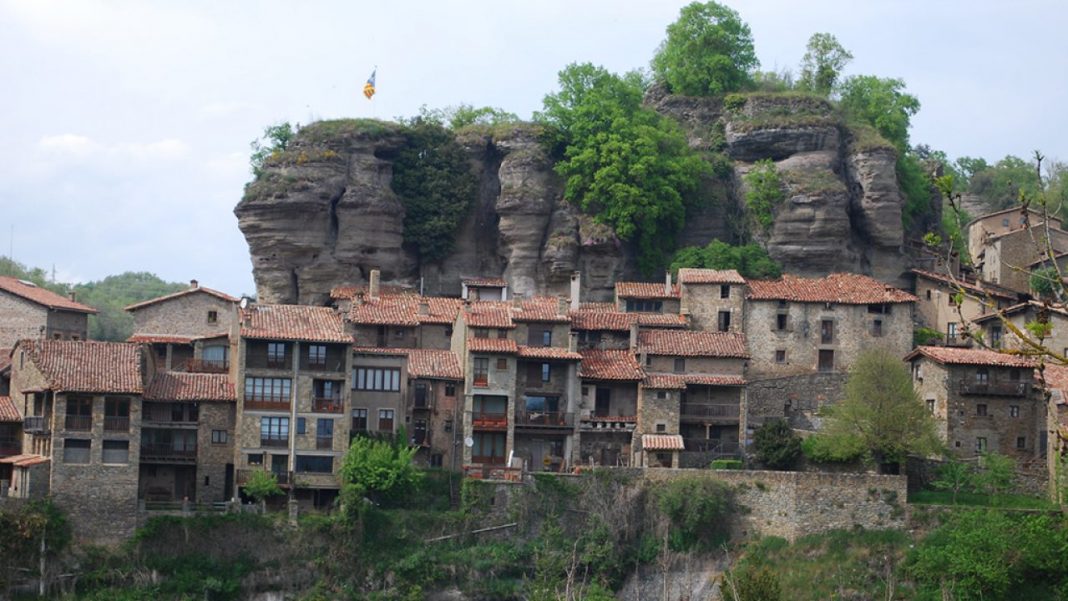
{"x": 369, "y": 87}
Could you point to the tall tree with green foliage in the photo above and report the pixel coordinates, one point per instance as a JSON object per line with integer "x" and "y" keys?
{"x": 822, "y": 64}
{"x": 776, "y": 445}
{"x": 112, "y": 294}
{"x": 466, "y": 115}
{"x": 881, "y": 412}
{"x": 273, "y": 142}
{"x": 750, "y": 260}
{"x": 380, "y": 470}
{"x": 883, "y": 104}
{"x": 1001, "y": 185}
{"x": 708, "y": 51}
{"x": 623, "y": 163}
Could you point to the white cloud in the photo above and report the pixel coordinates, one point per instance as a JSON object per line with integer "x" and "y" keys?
{"x": 71, "y": 145}
{"x": 78, "y": 148}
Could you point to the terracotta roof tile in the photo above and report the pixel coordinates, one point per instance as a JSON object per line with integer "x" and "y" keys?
{"x": 618, "y": 365}
{"x": 689, "y": 275}
{"x": 548, "y": 353}
{"x": 350, "y": 292}
{"x": 181, "y": 293}
{"x": 87, "y": 366}
{"x": 8, "y": 411}
{"x": 405, "y": 310}
{"x": 488, "y": 314}
{"x": 645, "y": 290}
{"x": 664, "y": 382}
{"x": 25, "y": 460}
{"x": 970, "y": 356}
{"x": 705, "y": 380}
{"x": 662, "y": 442}
{"x": 692, "y": 343}
{"x": 841, "y": 288}
{"x": 492, "y": 345}
{"x": 161, "y": 339}
{"x": 436, "y": 364}
{"x": 485, "y": 282}
{"x": 293, "y": 322}
{"x": 181, "y": 386}
{"x": 42, "y": 296}
{"x": 1056, "y": 379}
{"x": 979, "y": 287}
{"x": 377, "y": 350}
{"x": 619, "y": 321}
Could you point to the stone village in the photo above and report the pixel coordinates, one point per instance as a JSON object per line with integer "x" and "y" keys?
{"x": 672, "y": 374}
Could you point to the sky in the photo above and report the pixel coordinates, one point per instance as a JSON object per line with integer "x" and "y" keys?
{"x": 126, "y": 124}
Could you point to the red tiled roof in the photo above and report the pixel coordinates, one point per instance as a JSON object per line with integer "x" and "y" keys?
{"x": 485, "y": 282}
{"x": 492, "y": 345}
{"x": 548, "y": 352}
{"x": 8, "y": 411}
{"x": 42, "y": 296}
{"x": 618, "y": 365}
{"x": 689, "y": 275}
{"x": 87, "y": 366}
{"x": 692, "y": 343}
{"x": 1056, "y": 377}
{"x": 662, "y": 442}
{"x": 540, "y": 309}
{"x": 619, "y": 321}
{"x": 437, "y": 364}
{"x": 488, "y": 314}
{"x": 703, "y": 380}
{"x": 25, "y": 460}
{"x": 970, "y": 356}
{"x": 979, "y": 287}
{"x": 664, "y": 382}
{"x": 161, "y": 339}
{"x": 841, "y": 288}
{"x": 405, "y": 310}
{"x": 181, "y": 386}
{"x": 293, "y": 322}
{"x": 378, "y": 350}
{"x": 350, "y": 292}
{"x": 180, "y": 293}
{"x": 645, "y": 290}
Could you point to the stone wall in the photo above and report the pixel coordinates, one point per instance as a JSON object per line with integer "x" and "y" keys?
{"x": 705, "y": 301}
{"x": 212, "y": 456}
{"x": 186, "y": 315}
{"x": 796, "y": 399}
{"x": 67, "y": 325}
{"x": 19, "y": 319}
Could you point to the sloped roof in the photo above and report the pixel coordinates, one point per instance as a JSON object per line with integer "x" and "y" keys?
{"x": 979, "y": 287}
{"x": 25, "y": 460}
{"x": 488, "y": 314}
{"x": 378, "y": 350}
{"x": 970, "y": 356}
{"x": 8, "y": 411}
{"x": 435, "y": 364}
{"x": 182, "y": 386}
{"x": 690, "y": 275}
{"x": 479, "y": 282}
{"x": 662, "y": 442}
{"x": 706, "y": 380}
{"x": 651, "y": 290}
{"x": 615, "y": 365}
{"x": 840, "y": 288}
{"x": 492, "y": 345}
{"x": 42, "y": 296}
{"x": 166, "y": 297}
{"x": 540, "y": 309}
{"x": 620, "y": 321}
{"x": 692, "y": 343}
{"x": 664, "y": 382}
{"x": 405, "y": 310}
{"x": 162, "y": 339}
{"x": 293, "y": 322}
{"x": 349, "y": 292}
{"x": 548, "y": 352}
{"x": 87, "y": 366}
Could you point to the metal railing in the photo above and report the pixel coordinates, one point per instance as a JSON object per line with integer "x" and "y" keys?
{"x": 81, "y": 423}
{"x": 545, "y": 419}
{"x": 168, "y": 452}
{"x": 205, "y": 366}
{"x": 993, "y": 388}
{"x": 264, "y": 404}
{"x": 483, "y": 420}
{"x": 115, "y": 423}
{"x": 35, "y": 423}
{"x": 710, "y": 410}
{"x": 274, "y": 441}
{"x": 328, "y": 405}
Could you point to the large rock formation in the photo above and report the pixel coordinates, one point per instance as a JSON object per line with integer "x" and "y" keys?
{"x": 323, "y": 213}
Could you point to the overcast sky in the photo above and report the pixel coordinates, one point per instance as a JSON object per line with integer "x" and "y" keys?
{"x": 126, "y": 125}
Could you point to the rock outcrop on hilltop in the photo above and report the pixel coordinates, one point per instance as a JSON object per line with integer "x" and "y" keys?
{"x": 323, "y": 213}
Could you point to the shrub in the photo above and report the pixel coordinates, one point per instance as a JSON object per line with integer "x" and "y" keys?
{"x": 764, "y": 194}
{"x": 750, "y": 260}
{"x": 708, "y": 51}
{"x": 726, "y": 464}
{"x": 261, "y": 485}
{"x": 752, "y": 582}
{"x": 777, "y": 445}
{"x": 697, "y": 509}
{"x": 821, "y": 449}
{"x": 380, "y": 469}
{"x": 923, "y": 336}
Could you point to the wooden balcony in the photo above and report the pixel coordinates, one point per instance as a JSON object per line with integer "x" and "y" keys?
{"x": 713, "y": 412}
{"x": 35, "y": 424}
{"x": 481, "y": 420}
{"x": 78, "y": 423}
{"x": 169, "y": 453}
{"x": 327, "y": 405}
{"x": 274, "y": 442}
{"x": 267, "y": 404}
{"x": 205, "y": 366}
{"x": 993, "y": 388}
{"x": 114, "y": 423}
{"x": 544, "y": 419}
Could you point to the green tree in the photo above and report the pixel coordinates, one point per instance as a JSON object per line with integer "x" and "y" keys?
{"x": 380, "y": 470}
{"x": 262, "y": 485}
{"x": 112, "y": 294}
{"x": 998, "y": 475}
{"x": 763, "y": 194}
{"x": 881, "y": 412}
{"x": 1001, "y": 185}
{"x": 750, "y": 260}
{"x": 622, "y": 163}
{"x": 823, "y": 63}
{"x": 708, "y": 51}
{"x": 273, "y": 142}
{"x": 956, "y": 477}
{"x": 433, "y": 178}
{"x": 777, "y": 445}
{"x": 465, "y": 115}
{"x": 883, "y": 104}
{"x": 1046, "y": 282}
{"x": 697, "y": 509}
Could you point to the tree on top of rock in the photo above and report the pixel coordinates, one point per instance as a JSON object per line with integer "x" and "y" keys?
{"x": 823, "y": 63}
{"x": 882, "y": 103}
{"x": 708, "y": 51}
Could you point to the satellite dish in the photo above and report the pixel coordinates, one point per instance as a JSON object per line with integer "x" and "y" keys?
{"x": 244, "y": 302}
{"x": 469, "y": 442}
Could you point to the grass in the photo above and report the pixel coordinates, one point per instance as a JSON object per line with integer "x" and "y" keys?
{"x": 813, "y": 181}
{"x": 864, "y": 137}
{"x": 326, "y": 131}
{"x": 965, "y": 499}
{"x": 773, "y": 110}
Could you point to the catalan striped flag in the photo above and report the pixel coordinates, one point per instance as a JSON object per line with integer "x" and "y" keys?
{"x": 369, "y": 87}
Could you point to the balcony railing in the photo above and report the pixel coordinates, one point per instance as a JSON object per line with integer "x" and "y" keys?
{"x": 488, "y": 460}
{"x": 35, "y": 424}
{"x": 482, "y": 420}
{"x": 327, "y": 405}
{"x": 267, "y": 404}
{"x": 610, "y": 423}
{"x": 168, "y": 452}
{"x": 81, "y": 423}
{"x": 995, "y": 388}
{"x": 323, "y": 443}
{"x": 115, "y": 423}
{"x": 721, "y": 448}
{"x": 284, "y": 478}
{"x": 206, "y": 366}
{"x": 545, "y": 419}
{"x": 273, "y": 441}
{"x": 480, "y": 381}
{"x": 710, "y": 411}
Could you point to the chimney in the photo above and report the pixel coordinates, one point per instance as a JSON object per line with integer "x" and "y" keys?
{"x": 194, "y": 284}
{"x": 561, "y": 305}
{"x": 576, "y": 289}
{"x": 424, "y": 307}
{"x": 667, "y": 283}
{"x": 72, "y": 296}
{"x": 572, "y": 342}
{"x": 372, "y": 284}
{"x": 634, "y": 335}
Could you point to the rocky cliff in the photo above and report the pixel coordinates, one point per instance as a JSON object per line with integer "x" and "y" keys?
{"x": 323, "y": 213}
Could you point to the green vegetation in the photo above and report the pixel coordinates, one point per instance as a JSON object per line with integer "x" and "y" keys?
{"x": 708, "y": 51}
{"x": 923, "y": 336}
{"x": 726, "y": 464}
{"x": 381, "y": 470}
{"x": 763, "y": 194}
{"x": 273, "y": 143}
{"x": 697, "y": 509}
{"x": 792, "y": 109}
{"x": 777, "y": 446}
{"x": 979, "y": 499}
{"x": 466, "y": 116}
{"x": 23, "y": 529}
{"x": 750, "y": 260}
{"x": 622, "y": 162}
{"x": 262, "y": 485}
{"x": 822, "y": 64}
{"x": 882, "y": 103}
{"x": 1046, "y": 282}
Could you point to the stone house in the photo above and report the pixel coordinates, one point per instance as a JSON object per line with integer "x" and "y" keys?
{"x": 648, "y": 297}
{"x": 29, "y": 311}
{"x": 482, "y": 288}
{"x": 982, "y": 400}
{"x": 798, "y": 326}
{"x": 714, "y": 299}
{"x": 293, "y": 374}
{"x": 188, "y": 330}
{"x": 435, "y": 380}
{"x": 609, "y": 409}
{"x": 997, "y": 332}
{"x": 403, "y": 321}
{"x": 936, "y": 302}
{"x": 602, "y": 326}
{"x": 10, "y": 438}
{"x": 81, "y": 403}
{"x": 1006, "y": 245}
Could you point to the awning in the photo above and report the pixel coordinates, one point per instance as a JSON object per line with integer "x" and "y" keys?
{"x": 662, "y": 442}
{"x": 25, "y": 460}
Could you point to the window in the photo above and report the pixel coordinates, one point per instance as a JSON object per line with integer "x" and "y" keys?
{"x": 1005, "y": 222}
{"x": 314, "y": 464}
{"x": 448, "y": 425}
{"x": 302, "y": 425}
{"x": 79, "y": 413}
{"x": 502, "y": 363}
{"x": 213, "y": 316}
{"x": 116, "y": 451}
{"x": 931, "y": 406}
{"x": 502, "y": 333}
{"x": 980, "y": 444}
{"x": 723, "y": 322}
{"x": 317, "y": 354}
{"x": 207, "y": 480}
{"x": 546, "y": 372}
{"x": 995, "y": 336}
{"x": 324, "y": 433}
{"x": 219, "y": 437}
{"x": 435, "y": 460}
{"x": 215, "y": 355}
{"x": 385, "y": 420}
{"x": 377, "y": 378}
{"x": 359, "y": 420}
{"x": 826, "y": 360}
{"x": 951, "y": 330}
{"x": 982, "y": 376}
{"x": 661, "y": 394}
{"x": 1014, "y": 411}
{"x": 724, "y": 290}
{"x": 780, "y": 322}
{"x": 76, "y": 450}
{"x": 1021, "y": 442}
{"x": 661, "y": 428}
{"x": 481, "y": 333}
{"x": 116, "y": 414}
{"x": 680, "y": 365}
{"x": 980, "y": 409}
{"x": 481, "y": 373}
{"x": 274, "y": 431}
{"x": 826, "y": 331}
{"x": 648, "y": 360}
{"x": 255, "y": 459}
{"x": 877, "y": 327}
{"x": 450, "y": 389}
{"x": 918, "y": 371}
{"x": 488, "y": 447}
{"x": 780, "y": 356}
{"x": 644, "y": 306}
{"x": 276, "y": 354}
{"x": 267, "y": 390}
{"x": 546, "y": 337}
{"x": 928, "y": 294}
